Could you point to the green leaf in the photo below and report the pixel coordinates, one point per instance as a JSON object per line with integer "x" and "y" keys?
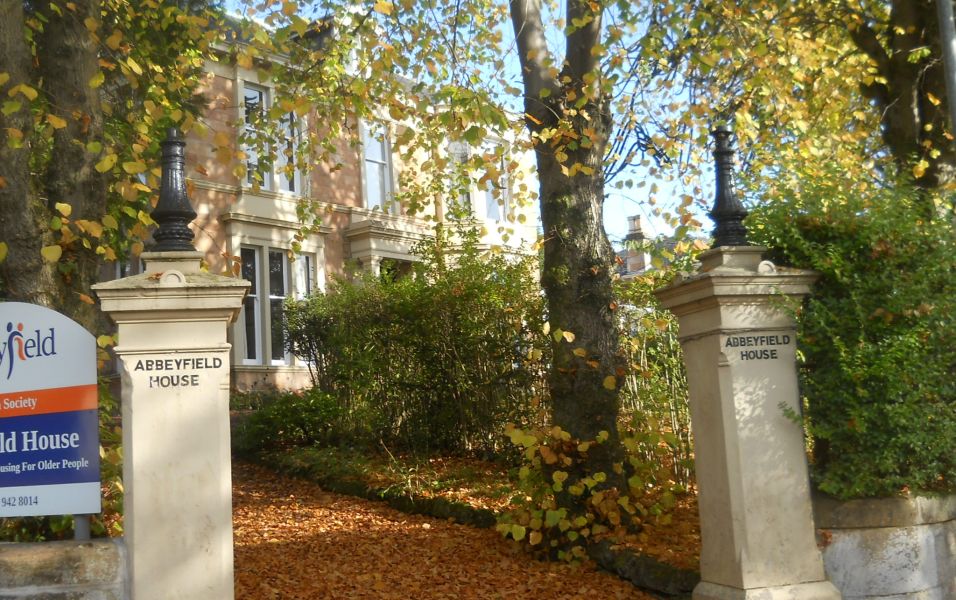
{"x": 10, "y": 107}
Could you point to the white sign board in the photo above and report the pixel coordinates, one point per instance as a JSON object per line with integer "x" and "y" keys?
{"x": 49, "y": 432}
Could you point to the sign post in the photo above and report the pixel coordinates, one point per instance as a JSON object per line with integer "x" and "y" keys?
{"x": 49, "y": 433}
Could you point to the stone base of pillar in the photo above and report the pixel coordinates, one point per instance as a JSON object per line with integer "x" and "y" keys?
{"x": 818, "y": 590}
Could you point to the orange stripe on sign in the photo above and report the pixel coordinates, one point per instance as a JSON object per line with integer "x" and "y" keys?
{"x": 54, "y": 400}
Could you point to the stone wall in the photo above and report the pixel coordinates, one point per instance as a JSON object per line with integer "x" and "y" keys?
{"x": 890, "y": 548}
{"x": 92, "y": 570}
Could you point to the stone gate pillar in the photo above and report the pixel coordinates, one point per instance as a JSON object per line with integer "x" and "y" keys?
{"x": 172, "y": 323}
{"x": 739, "y": 342}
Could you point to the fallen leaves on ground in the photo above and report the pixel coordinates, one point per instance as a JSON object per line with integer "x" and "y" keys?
{"x": 295, "y": 541}
{"x": 675, "y": 540}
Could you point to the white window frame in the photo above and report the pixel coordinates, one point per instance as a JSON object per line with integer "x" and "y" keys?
{"x": 254, "y": 296}
{"x": 286, "y": 292}
{"x": 386, "y": 204}
{"x": 459, "y": 153}
{"x": 293, "y": 133}
{"x": 306, "y": 276}
{"x": 265, "y": 101}
{"x": 274, "y": 179}
{"x": 503, "y": 208}
{"x": 259, "y": 301}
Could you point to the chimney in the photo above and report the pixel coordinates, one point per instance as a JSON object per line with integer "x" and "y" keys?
{"x": 637, "y": 259}
{"x": 635, "y": 231}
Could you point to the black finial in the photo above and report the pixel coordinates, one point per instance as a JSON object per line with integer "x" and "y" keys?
{"x": 728, "y": 213}
{"x": 173, "y": 212}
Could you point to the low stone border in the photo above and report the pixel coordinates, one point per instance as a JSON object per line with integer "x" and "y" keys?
{"x": 882, "y": 548}
{"x": 93, "y": 570}
{"x": 643, "y": 571}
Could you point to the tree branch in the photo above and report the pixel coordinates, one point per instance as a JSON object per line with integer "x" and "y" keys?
{"x": 535, "y": 57}
{"x": 580, "y": 42}
{"x": 866, "y": 40}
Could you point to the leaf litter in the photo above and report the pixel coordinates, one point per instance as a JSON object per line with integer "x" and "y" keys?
{"x": 294, "y": 540}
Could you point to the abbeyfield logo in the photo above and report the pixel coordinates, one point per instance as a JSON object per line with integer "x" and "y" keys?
{"x": 19, "y": 347}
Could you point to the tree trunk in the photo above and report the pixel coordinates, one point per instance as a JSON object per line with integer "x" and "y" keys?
{"x": 24, "y": 276}
{"x": 912, "y": 93}
{"x": 66, "y": 61}
{"x": 578, "y": 258}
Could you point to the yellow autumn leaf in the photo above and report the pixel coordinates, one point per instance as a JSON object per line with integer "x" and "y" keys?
{"x": 580, "y": 352}
{"x": 289, "y": 8}
{"x": 134, "y": 66}
{"x": 534, "y": 538}
{"x": 114, "y": 40}
{"x": 106, "y": 163}
{"x": 55, "y": 121}
{"x": 568, "y": 336}
{"x": 86, "y": 299}
{"x": 384, "y": 7}
{"x": 109, "y": 221}
{"x": 134, "y": 167}
{"x": 104, "y": 340}
{"x": 51, "y": 253}
{"x": 4, "y": 77}
{"x": 97, "y": 80}
{"x": 26, "y": 90}
{"x": 93, "y": 228}
{"x": 3, "y": 251}
{"x": 919, "y": 169}
{"x": 63, "y": 208}
{"x": 610, "y": 382}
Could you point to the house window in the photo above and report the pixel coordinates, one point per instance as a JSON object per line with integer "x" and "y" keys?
{"x": 378, "y": 169}
{"x": 304, "y": 276}
{"x": 263, "y": 305}
{"x": 250, "y": 306}
{"x": 288, "y": 176}
{"x": 459, "y": 206}
{"x": 255, "y": 103}
{"x": 278, "y": 290}
{"x": 497, "y": 190}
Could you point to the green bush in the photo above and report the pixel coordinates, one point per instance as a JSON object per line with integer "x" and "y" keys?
{"x": 285, "y": 419}
{"x": 437, "y": 361}
{"x": 654, "y": 393}
{"x": 876, "y": 335}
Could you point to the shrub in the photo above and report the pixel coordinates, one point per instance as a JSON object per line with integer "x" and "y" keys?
{"x": 559, "y": 509}
{"x": 654, "y": 393}
{"x": 438, "y": 361}
{"x": 285, "y": 419}
{"x": 876, "y": 335}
